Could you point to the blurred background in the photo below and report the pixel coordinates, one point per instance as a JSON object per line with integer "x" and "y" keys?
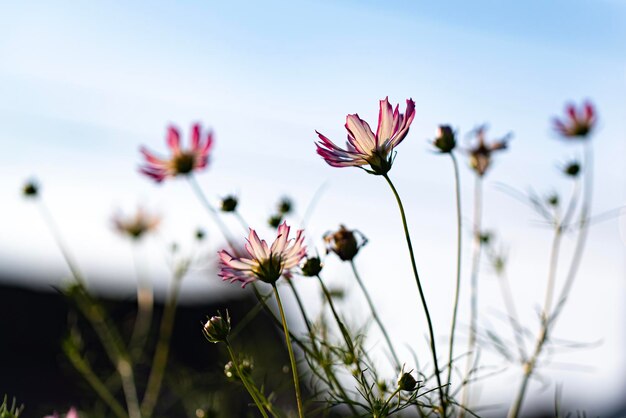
{"x": 83, "y": 85}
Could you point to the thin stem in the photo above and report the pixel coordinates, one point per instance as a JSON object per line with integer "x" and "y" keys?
{"x": 94, "y": 381}
{"x": 549, "y": 318}
{"x": 332, "y": 379}
{"x": 277, "y": 321}
{"x": 110, "y": 340}
{"x": 294, "y": 369}
{"x": 159, "y": 362}
{"x": 212, "y": 211}
{"x": 375, "y": 315}
{"x": 433, "y": 347}
{"x": 476, "y": 254}
{"x": 58, "y": 237}
{"x": 457, "y": 189}
{"x": 509, "y": 303}
{"x": 244, "y": 380}
{"x": 145, "y": 306}
{"x": 305, "y": 317}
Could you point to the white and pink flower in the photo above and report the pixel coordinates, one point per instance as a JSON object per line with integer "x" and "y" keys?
{"x": 578, "y": 123}
{"x": 365, "y": 148}
{"x": 265, "y": 263}
{"x": 182, "y": 161}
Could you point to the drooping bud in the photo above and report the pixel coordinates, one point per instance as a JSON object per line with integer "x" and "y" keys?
{"x": 217, "y": 329}
{"x": 229, "y": 203}
{"x": 406, "y": 382}
{"x": 344, "y": 242}
{"x": 312, "y": 267}
{"x": 445, "y": 140}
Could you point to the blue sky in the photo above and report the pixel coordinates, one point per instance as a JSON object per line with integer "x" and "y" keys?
{"x": 82, "y": 85}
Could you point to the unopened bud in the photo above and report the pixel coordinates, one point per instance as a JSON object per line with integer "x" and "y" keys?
{"x": 445, "y": 141}
{"x": 285, "y": 206}
{"x": 30, "y": 189}
{"x": 572, "y": 169}
{"x": 275, "y": 220}
{"x": 217, "y": 328}
{"x": 406, "y": 382}
{"x": 312, "y": 267}
{"x": 229, "y": 203}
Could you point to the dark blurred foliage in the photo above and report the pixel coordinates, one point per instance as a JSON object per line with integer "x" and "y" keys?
{"x": 34, "y": 369}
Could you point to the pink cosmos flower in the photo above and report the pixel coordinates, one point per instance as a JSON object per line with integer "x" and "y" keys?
{"x": 265, "y": 263}
{"x": 578, "y": 123}
{"x": 365, "y": 148}
{"x": 181, "y": 161}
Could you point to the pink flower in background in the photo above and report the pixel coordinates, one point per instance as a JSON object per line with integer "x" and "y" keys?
{"x": 578, "y": 123}
{"x": 72, "y": 413}
{"x": 265, "y": 263}
{"x": 182, "y": 161}
{"x": 137, "y": 225}
{"x": 480, "y": 154}
{"x": 365, "y": 148}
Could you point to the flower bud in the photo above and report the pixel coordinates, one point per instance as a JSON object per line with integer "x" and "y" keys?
{"x": 553, "y": 200}
{"x": 572, "y": 169}
{"x": 229, "y": 203}
{"x": 275, "y": 220}
{"x": 217, "y": 328}
{"x": 312, "y": 267}
{"x": 285, "y": 206}
{"x": 406, "y": 382}
{"x": 30, "y": 189}
{"x": 445, "y": 141}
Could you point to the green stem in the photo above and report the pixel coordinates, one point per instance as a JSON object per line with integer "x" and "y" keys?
{"x": 244, "y": 380}
{"x": 58, "y": 237}
{"x": 457, "y": 189}
{"x": 97, "y": 385}
{"x": 375, "y": 315}
{"x": 212, "y": 211}
{"x": 294, "y": 369}
{"x": 433, "y": 347}
{"x": 159, "y": 362}
{"x": 549, "y": 318}
{"x": 145, "y": 307}
{"x": 476, "y": 254}
{"x": 110, "y": 340}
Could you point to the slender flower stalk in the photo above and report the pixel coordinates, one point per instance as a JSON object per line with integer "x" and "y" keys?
{"x": 145, "y": 307}
{"x": 159, "y": 361}
{"x": 244, "y": 380}
{"x": 457, "y": 189}
{"x": 212, "y": 211}
{"x": 394, "y": 355}
{"x": 577, "y": 126}
{"x": 94, "y": 313}
{"x": 476, "y": 256}
{"x": 433, "y": 347}
{"x": 292, "y": 359}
